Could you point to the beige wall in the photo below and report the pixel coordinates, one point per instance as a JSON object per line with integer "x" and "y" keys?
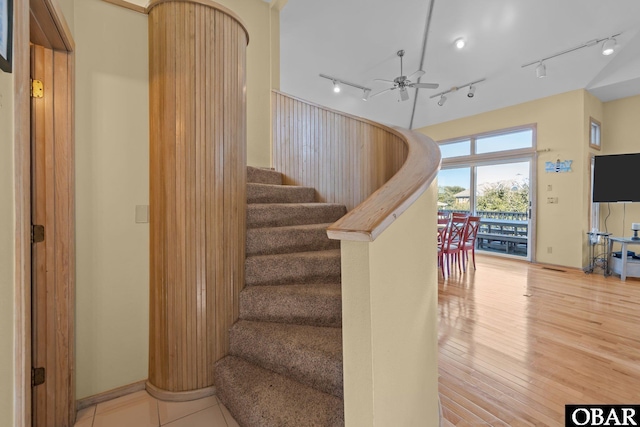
{"x": 112, "y": 177}
{"x": 7, "y": 226}
{"x": 263, "y": 67}
{"x": 389, "y": 322}
{"x": 560, "y": 121}
{"x": 620, "y": 135}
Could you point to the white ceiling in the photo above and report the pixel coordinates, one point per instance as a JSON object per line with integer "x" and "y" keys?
{"x": 357, "y": 41}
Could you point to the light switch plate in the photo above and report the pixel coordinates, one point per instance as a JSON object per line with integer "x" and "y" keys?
{"x": 142, "y": 214}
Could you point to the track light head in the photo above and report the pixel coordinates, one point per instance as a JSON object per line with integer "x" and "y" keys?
{"x": 541, "y": 70}
{"x": 472, "y": 91}
{"x": 459, "y": 43}
{"x": 442, "y": 100}
{"x": 336, "y": 86}
{"x": 365, "y": 94}
{"x": 609, "y": 46}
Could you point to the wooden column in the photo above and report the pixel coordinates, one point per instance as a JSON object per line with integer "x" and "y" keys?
{"x": 197, "y": 191}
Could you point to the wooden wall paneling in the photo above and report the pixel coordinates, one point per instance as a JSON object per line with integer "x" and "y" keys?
{"x": 198, "y": 181}
{"x": 314, "y": 146}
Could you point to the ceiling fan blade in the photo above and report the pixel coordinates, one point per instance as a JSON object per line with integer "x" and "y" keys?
{"x": 416, "y": 75}
{"x": 382, "y": 91}
{"x": 385, "y": 81}
{"x": 426, "y": 85}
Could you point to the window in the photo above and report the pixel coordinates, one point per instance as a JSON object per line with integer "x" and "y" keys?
{"x": 489, "y": 175}
{"x": 594, "y": 133}
{"x": 505, "y": 141}
{"x": 455, "y": 149}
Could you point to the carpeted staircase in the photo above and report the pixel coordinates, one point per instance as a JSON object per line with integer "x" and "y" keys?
{"x": 285, "y": 362}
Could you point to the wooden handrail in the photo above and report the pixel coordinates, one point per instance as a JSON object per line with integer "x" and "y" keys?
{"x": 371, "y": 217}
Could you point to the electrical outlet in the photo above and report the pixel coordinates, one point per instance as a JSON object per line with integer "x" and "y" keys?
{"x": 549, "y": 249}
{"x": 552, "y": 200}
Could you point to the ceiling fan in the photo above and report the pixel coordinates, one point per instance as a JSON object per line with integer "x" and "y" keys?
{"x": 402, "y": 82}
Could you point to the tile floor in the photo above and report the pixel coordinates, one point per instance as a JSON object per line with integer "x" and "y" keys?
{"x": 141, "y": 410}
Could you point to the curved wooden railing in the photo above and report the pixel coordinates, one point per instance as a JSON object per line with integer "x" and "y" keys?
{"x": 388, "y": 167}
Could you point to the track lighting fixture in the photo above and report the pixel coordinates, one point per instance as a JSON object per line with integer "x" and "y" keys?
{"x": 608, "y": 47}
{"x": 472, "y": 91}
{"x": 470, "y": 94}
{"x": 459, "y": 43}
{"x": 337, "y": 86}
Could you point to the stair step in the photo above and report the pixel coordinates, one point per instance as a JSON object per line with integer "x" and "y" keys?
{"x": 259, "y": 397}
{"x": 299, "y": 267}
{"x": 268, "y": 193}
{"x": 263, "y": 176}
{"x": 293, "y": 238}
{"x": 318, "y": 305}
{"x": 311, "y": 355}
{"x": 283, "y": 214}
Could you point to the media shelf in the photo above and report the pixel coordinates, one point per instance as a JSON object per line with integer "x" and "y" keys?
{"x": 625, "y": 266}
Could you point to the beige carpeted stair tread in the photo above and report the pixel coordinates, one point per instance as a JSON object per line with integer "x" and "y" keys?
{"x": 311, "y": 355}
{"x": 292, "y": 238}
{"x": 299, "y": 267}
{"x": 263, "y": 176}
{"x": 268, "y": 193}
{"x": 283, "y": 214}
{"x": 259, "y": 397}
{"x": 319, "y": 304}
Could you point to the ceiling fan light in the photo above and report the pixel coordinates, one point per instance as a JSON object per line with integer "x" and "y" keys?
{"x": 336, "y": 87}
{"x": 541, "y": 70}
{"x": 609, "y": 46}
{"x": 472, "y": 91}
{"x": 459, "y": 43}
{"x": 442, "y": 100}
{"x": 404, "y": 94}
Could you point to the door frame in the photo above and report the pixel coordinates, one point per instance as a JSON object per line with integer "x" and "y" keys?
{"x": 52, "y": 30}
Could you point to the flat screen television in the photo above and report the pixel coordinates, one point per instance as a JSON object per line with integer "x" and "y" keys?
{"x": 616, "y": 178}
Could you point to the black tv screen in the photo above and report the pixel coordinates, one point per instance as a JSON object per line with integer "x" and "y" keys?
{"x": 615, "y": 178}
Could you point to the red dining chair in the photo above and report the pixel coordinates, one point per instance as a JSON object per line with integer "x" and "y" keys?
{"x": 469, "y": 241}
{"x": 452, "y": 245}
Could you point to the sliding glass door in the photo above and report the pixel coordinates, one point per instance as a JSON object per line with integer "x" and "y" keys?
{"x": 502, "y": 201}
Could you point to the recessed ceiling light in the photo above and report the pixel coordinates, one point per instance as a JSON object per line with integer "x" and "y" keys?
{"x": 459, "y": 43}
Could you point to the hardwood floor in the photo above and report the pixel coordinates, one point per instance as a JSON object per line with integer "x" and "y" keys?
{"x": 518, "y": 341}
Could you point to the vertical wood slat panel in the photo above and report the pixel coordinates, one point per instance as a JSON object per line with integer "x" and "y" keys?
{"x": 197, "y": 197}
{"x": 344, "y": 158}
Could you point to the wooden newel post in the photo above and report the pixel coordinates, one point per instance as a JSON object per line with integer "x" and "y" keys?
{"x": 197, "y": 53}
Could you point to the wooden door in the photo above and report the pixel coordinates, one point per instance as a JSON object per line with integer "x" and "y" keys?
{"x": 53, "y": 255}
